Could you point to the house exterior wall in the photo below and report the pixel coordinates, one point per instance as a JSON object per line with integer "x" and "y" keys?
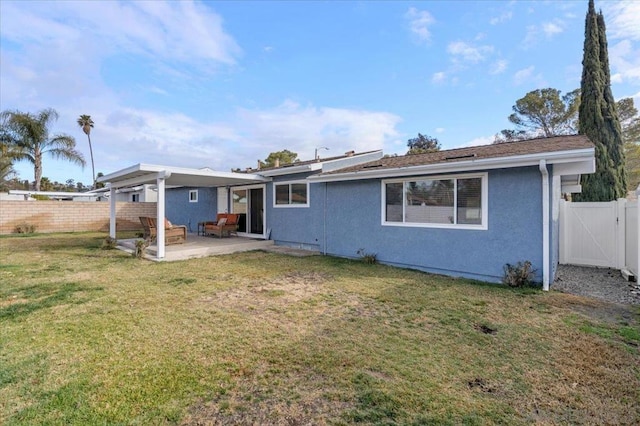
{"x": 180, "y": 211}
{"x": 514, "y": 229}
{"x": 353, "y": 222}
{"x": 298, "y": 227}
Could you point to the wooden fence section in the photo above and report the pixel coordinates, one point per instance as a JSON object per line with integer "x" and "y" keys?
{"x": 71, "y": 216}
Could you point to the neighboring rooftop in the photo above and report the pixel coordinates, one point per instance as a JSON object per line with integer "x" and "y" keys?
{"x": 348, "y": 154}
{"x": 507, "y": 149}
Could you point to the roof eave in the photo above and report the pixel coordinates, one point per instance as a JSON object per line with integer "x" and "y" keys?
{"x": 559, "y": 157}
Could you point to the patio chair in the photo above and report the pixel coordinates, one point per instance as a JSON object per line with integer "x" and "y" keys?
{"x": 173, "y": 234}
{"x": 225, "y": 223}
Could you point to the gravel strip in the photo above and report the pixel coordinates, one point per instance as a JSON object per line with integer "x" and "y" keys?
{"x": 601, "y": 283}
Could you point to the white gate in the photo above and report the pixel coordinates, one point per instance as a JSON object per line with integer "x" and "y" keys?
{"x": 600, "y": 234}
{"x": 632, "y": 252}
{"x": 589, "y": 233}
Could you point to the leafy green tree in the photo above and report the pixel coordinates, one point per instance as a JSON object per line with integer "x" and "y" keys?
{"x": 86, "y": 124}
{"x": 630, "y": 122}
{"x": 99, "y": 184}
{"x": 598, "y": 118}
{"x": 30, "y": 134}
{"x": 9, "y": 153}
{"x": 422, "y": 144}
{"x": 542, "y": 113}
{"x": 284, "y": 157}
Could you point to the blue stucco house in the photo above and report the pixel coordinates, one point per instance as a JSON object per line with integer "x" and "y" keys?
{"x": 462, "y": 212}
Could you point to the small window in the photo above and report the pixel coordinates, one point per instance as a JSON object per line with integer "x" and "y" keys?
{"x": 193, "y": 196}
{"x": 135, "y": 198}
{"x": 291, "y": 194}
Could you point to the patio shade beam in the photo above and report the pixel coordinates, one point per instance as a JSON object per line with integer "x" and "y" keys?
{"x": 135, "y": 181}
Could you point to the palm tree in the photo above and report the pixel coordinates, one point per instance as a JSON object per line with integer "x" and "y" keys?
{"x": 30, "y": 135}
{"x": 86, "y": 123}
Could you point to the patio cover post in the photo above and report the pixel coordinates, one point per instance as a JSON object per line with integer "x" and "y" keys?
{"x": 112, "y": 211}
{"x": 162, "y": 176}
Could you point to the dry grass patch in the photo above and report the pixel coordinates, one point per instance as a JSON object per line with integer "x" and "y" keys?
{"x": 91, "y": 336}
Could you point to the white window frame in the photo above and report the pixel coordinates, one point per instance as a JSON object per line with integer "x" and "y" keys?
{"x": 484, "y": 185}
{"x": 290, "y": 182}
{"x": 193, "y": 200}
{"x": 135, "y": 198}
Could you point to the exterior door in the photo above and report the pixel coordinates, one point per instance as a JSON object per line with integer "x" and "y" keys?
{"x": 248, "y": 202}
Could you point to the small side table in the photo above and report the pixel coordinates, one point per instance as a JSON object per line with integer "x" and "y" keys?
{"x": 201, "y": 228}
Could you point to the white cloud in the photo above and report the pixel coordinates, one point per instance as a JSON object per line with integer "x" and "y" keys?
{"x": 503, "y": 17}
{"x": 468, "y": 52}
{"x": 419, "y": 23}
{"x": 438, "y": 77}
{"x": 546, "y": 30}
{"x": 551, "y": 28}
{"x": 303, "y": 128}
{"x": 238, "y": 141}
{"x": 440, "y": 129}
{"x": 523, "y": 75}
{"x": 622, "y": 19}
{"x": 624, "y": 61}
{"x": 481, "y": 140}
{"x": 185, "y": 31}
{"x": 499, "y": 66}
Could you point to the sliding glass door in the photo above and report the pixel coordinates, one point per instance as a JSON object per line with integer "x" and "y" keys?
{"x": 249, "y": 202}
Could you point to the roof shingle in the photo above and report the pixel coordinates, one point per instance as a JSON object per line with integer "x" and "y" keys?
{"x": 507, "y": 149}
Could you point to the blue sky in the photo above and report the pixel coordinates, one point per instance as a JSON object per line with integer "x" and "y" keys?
{"x": 223, "y": 84}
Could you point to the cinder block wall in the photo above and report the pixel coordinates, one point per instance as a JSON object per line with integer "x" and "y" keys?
{"x": 71, "y": 216}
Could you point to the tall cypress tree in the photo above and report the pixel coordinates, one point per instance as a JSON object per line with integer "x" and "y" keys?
{"x": 615, "y": 141}
{"x": 598, "y": 118}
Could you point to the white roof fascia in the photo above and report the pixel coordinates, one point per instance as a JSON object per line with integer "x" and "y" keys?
{"x": 325, "y": 166}
{"x": 291, "y": 170}
{"x": 123, "y": 172}
{"x": 355, "y": 159}
{"x": 559, "y": 157}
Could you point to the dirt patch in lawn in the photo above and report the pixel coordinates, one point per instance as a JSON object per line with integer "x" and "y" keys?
{"x": 303, "y": 399}
{"x": 613, "y": 313}
{"x": 278, "y": 291}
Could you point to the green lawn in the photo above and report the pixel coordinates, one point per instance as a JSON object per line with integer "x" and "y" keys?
{"x": 91, "y": 336}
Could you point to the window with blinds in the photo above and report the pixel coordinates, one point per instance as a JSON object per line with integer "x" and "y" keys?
{"x": 456, "y": 201}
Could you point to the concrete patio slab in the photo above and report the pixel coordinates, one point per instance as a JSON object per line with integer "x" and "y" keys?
{"x": 199, "y": 246}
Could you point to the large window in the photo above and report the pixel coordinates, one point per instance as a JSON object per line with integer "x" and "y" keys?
{"x": 448, "y": 201}
{"x": 291, "y": 194}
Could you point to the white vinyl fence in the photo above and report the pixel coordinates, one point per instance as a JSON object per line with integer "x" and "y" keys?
{"x": 632, "y": 222}
{"x": 600, "y": 234}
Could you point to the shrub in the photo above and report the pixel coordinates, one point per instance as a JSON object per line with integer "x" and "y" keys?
{"x": 141, "y": 246}
{"x": 109, "y": 243}
{"x": 518, "y": 275}
{"x": 25, "y": 228}
{"x": 368, "y": 258}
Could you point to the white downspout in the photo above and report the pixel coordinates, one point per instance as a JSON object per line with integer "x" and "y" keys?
{"x": 545, "y": 225}
{"x": 324, "y": 222}
{"x": 112, "y": 211}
